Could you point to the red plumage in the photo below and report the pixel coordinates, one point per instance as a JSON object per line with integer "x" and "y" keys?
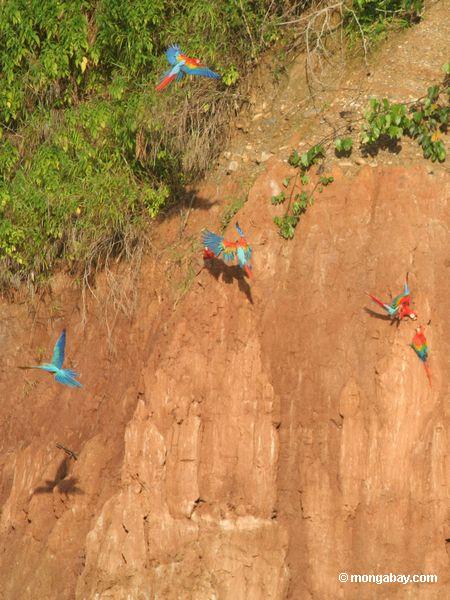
{"x": 165, "y": 82}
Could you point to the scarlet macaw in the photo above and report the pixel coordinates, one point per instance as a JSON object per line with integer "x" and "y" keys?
{"x": 399, "y": 307}
{"x": 64, "y": 376}
{"x": 238, "y": 252}
{"x": 181, "y": 65}
{"x": 420, "y": 347}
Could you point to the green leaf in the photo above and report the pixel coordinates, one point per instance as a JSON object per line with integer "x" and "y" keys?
{"x": 279, "y": 199}
{"x": 294, "y": 159}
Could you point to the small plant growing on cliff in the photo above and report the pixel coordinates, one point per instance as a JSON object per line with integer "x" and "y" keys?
{"x": 343, "y": 146}
{"x": 298, "y": 201}
{"x": 230, "y": 211}
{"x": 425, "y": 120}
{"x": 371, "y": 19}
{"x": 385, "y": 122}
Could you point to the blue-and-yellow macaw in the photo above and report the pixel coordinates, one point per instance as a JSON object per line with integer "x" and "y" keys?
{"x": 64, "y": 376}
{"x": 238, "y": 252}
{"x": 181, "y": 65}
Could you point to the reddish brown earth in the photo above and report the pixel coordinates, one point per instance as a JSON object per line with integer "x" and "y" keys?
{"x": 241, "y": 441}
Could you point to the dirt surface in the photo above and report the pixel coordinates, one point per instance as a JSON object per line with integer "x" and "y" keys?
{"x": 246, "y": 441}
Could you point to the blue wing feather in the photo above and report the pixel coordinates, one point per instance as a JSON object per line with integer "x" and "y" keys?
{"x": 58, "y": 352}
{"x": 172, "y": 54}
{"x": 67, "y": 377}
{"x": 247, "y": 253}
{"x": 202, "y": 71}
{"x": 213, "y": 241}
{"x": 239, "y": 230}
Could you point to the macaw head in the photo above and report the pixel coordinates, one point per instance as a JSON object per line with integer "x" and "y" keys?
{"x": 405, "y": 311}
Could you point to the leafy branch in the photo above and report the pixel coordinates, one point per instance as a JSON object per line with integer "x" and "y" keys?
{"x": 299, "y": 198}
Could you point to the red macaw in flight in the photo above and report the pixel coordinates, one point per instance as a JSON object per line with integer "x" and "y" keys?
{"x": 399, "y": 307}
{"x": 238, "y": 252}
{"x": 181, "y": 65}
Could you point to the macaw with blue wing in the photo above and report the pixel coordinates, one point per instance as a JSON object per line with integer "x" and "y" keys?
{"x": 64, "y": 376}
{"x": 238, "y": 252}
{"x": 183, "y": 65}
{"x": 420, "y": 347}
{"x": 399, "y": 306}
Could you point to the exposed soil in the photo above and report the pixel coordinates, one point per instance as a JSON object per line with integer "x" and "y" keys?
{"x": 247, "y": 441}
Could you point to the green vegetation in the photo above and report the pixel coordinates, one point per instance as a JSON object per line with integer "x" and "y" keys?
{"x": 89, "y": 152}
{"x": 230, "y": 211}
{"x": 299, "y": 198}
{"x": 423, "y": 121}
{"x": 371, "y": 19}
{"x": 383, "y": 125}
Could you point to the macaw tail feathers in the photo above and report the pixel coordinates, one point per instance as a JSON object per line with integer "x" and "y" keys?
{"x": 165, "y": 82}
{"x": 375, "y": 299}
{"x": 213, "y": 242}
{"x": 427, "y": 371}
{"x": 67, "y": 377}
{"x": 248, "y": 270}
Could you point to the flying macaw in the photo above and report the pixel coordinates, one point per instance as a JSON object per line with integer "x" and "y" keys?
{"x": 420, "y": 347}
{"x": 181, "y": 65}
{"x": 399, "y": 307}
{"x": 238, "y": 252}
{"x": 64, "y": 376}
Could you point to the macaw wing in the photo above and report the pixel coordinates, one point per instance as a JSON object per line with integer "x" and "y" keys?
{"x": 247, "y": 250}
{"x": 58, "y": 352}
{"x": 67, "y": 377}
{"x": 172, "y": 54}
{"x": 400, "y": 299}
{"x": 386, "y": 307}
{"x": 202, "y": 71}
{"x": 213, "y": 242}
{"x": 229, "y": 251}
{"x": 421, "y": 351}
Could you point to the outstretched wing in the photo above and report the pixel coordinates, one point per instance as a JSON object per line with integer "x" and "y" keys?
{"x": 192, "y": 69}
{"x": 386, "y": 307}
{"x": 172, "y": 54}
{"x": 212, "y": 241}
{"x": 402, "y": 298}
{"x": 229, "y": 252}
{"x": 247, "y": 249}
{"x": 58, "y": 352}
{"x": 67, "y": 377}
{"x": 218, "y": 245}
